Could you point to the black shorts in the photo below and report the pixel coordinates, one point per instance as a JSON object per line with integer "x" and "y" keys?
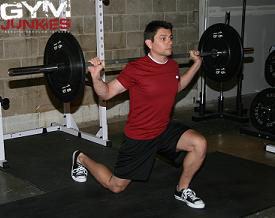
{"x": 136, "y": 157}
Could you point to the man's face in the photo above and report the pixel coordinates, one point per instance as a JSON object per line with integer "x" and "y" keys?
{"x": 162, "y": 44}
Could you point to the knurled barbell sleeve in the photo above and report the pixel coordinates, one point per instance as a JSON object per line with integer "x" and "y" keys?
{"x": 32, "y": 70}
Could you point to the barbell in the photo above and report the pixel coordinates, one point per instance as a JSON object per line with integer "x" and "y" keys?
{"x": 64, "y": 65}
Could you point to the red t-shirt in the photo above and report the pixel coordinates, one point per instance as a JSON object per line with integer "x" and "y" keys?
{"x": 152, "y": 89}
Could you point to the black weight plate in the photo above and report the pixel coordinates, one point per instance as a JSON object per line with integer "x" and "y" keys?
{"x": 262, "y": 110}
{"x": 64, "y": 50}
{"x": 221, "y": 37}
{"x": 270, "y": 69}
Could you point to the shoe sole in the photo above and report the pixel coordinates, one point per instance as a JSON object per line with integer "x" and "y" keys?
{"x": 189, "y": 204}
{"x": 77, "y": 179}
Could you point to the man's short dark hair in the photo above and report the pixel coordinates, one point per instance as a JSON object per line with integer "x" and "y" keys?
{"x": 151, "y": 30}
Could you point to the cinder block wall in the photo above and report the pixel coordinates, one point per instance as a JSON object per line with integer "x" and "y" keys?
{"x": 31, "y": 103}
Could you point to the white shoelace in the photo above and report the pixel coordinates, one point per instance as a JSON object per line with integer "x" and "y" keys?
{"x": 80, "y": 170}
{"x": 189, "y": 193}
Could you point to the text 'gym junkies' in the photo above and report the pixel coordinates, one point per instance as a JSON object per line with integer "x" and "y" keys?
{"x": 13, "y": 13}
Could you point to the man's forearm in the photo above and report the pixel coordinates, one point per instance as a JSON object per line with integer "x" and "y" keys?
{"x": 101, "y": 88}
{"x": 186, "y": 78}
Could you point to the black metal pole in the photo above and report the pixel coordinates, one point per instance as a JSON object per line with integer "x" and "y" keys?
{"x": 227, "y": 18}
{"x": 202, "y": 103}
{"x": 243, "y": 21}
{"x": 239, "y": 104}
{"x": 221, "y": 97}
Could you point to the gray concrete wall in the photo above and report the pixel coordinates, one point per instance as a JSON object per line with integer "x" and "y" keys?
{"x": 33, "y": 105}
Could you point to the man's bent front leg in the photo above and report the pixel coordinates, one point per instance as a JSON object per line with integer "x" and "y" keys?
{"x": 195, "y": 144}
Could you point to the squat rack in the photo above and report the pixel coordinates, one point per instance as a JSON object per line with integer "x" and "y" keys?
{"x": 69, "y": 125}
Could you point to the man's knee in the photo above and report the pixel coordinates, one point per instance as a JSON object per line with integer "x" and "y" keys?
{"x": 118, "y": 188}
{"x": 118, "y": 185}
{"x": 200, "y": 145}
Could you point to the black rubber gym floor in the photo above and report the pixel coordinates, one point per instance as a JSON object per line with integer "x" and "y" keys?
{"x": 230, "y": 186}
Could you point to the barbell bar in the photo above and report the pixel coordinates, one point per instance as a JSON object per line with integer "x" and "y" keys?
{"x": 213, "y": 53}
{"x": 65, "y": 68}
{"x": 51, "y": 68}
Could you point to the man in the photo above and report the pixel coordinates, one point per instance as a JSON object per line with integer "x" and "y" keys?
{"x": 153, "y": 82}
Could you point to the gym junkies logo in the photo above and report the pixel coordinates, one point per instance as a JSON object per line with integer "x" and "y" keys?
{"x": 13, "y": 13}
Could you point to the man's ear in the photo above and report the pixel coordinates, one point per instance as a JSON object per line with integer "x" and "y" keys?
{"x": 148, "y": 42}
